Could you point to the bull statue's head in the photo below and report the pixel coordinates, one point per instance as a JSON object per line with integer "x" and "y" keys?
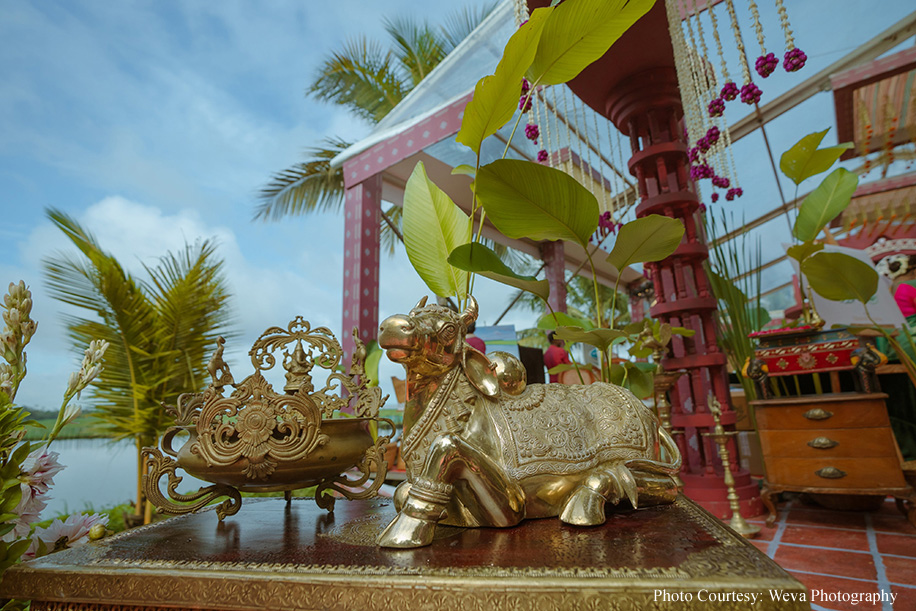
{"x": 429, "y": 342}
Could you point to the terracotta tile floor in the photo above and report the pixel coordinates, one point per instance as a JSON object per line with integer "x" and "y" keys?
{"x": 844, "y": 551}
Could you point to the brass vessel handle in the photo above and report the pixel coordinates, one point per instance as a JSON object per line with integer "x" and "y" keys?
{"x": 817, "y": 414}
{"x": 830, "y": 473}
{"x": 823, "y": 443}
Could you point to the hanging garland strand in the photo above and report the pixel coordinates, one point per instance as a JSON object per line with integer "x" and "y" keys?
{"x": 750, "y": 93}
{"x": 767, "y": 62}
{"x": 794, "y": 59}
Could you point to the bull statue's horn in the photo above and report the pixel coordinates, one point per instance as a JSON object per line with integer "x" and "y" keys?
{"x": 470, "y": 313}
{"x": 421, "y": 303}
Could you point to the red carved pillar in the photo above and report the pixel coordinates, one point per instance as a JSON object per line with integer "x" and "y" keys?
{"x": 555, "y": 270}
{"x": 361, "y": 262}
{"x": 647, "y": 108}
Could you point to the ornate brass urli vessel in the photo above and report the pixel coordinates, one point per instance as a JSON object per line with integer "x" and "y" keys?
{"x": 258, "y": 440}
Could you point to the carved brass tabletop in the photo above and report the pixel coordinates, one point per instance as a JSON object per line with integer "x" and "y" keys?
{"x": 278, "y": 556}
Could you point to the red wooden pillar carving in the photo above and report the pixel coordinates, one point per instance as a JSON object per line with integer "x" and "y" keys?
{"x": 555, "y": 270}
{"x": 361, "y": 262}
{"x": 647, "y": 108}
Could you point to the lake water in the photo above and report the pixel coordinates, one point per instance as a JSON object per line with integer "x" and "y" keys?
{"x": 98, "y": 473}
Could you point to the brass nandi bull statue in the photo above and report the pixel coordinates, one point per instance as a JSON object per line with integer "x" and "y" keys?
{"x": 484, "y": 449}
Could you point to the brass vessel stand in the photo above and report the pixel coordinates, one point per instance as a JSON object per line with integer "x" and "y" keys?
{"x": 721, "y": 436}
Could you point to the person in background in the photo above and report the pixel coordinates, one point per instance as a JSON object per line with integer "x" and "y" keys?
{"x": 555, "y": 355}
{"x": 902, "y": 270}
{"x": 474, "y": 341}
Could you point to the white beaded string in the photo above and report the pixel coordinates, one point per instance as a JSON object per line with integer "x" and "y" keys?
{"x": 784, "y": 21}
{"x": 758, "y": 27}
{"x": 742, "y": 55}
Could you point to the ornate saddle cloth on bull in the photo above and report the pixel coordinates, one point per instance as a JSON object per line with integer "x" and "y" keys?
{"x": 482, "y": 448}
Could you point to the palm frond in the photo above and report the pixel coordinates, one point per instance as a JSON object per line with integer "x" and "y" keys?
{"x": 417, "y": 47}
{"x": 360, "y": 77}
{"x": 309, "y": 186}
{"x": 460, "y": 24}
{"x": 389, "y": 237}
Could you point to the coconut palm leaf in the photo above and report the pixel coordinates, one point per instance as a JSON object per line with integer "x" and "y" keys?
{"x": 417, "y": 47}
{"x": 362, "y": 77}
{"x": 310, "y": 186}
{"x": 461, "y": 23}
{"x": 159, "y": 331}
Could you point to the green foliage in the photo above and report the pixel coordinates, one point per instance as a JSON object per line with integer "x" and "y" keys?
{"x": 733, "y": 270}
{"x": 555, "y": 320}
{"x": 160, "y": 330}
{"x": 800, "y": 252}
{"x": 479, "y": 259}
{"x": 369, "y": 79}
{"x": 433, "y": 227}
{"x": 529, "y": 200}
{"x": 857, "y": 280}
{"x": 599, "y": 338}
{"x": 578, "y": 33}
{"x": 495, "y": 96}
{"x": 825, "y": 203}
{"x": 651, "y": 238}
{"x": 805, "y": 160}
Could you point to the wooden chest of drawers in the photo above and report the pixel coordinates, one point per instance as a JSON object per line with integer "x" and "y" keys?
{"x": 833, "y": 443}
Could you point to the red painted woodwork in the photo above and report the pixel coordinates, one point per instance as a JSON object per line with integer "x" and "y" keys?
{"x": 635, "y": 86}
{"x": 361, "y": 262}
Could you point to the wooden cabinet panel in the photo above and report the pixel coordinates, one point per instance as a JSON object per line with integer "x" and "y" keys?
{"x": 849, "y": 410}
{"x": 858, "y": 473}
{"x": 828, "y": 443}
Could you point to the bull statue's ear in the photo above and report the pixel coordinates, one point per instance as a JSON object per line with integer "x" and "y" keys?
{"x": 481, "y": 372}
{"x": 470, "y": 312}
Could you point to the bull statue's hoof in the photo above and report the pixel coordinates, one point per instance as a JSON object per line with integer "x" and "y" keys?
{"x": 585, "y": 507}
{"x": 407, "y": 532}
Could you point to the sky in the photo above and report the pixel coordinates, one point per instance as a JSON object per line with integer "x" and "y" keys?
{"x": 156, "y": 123}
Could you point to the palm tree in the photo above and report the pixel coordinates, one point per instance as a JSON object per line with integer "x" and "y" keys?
{"x": 370, "y": 81}
{"x": 159, "y": 330}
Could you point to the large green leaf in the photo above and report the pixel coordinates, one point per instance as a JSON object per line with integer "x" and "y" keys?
{"x": 433, "y": 227}
{"x": 599, "y": 338}
{"x": 823, "y": 204}
{"x": 839, "y": 277}
{"x": 651, "y": 238}
{"x": 555, "y": 320}
{"x": 496, "y": 96}
{"x": 529, "y": 200}
{"x": 802, "y": 251}
{"x": 805, "y": 160}
{"x": 577, "y": 33}
{"x": 479, "y": 259}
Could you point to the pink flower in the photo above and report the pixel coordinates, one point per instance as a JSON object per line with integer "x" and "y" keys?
{"x": 525, "y": 86}
{"x": 702, "y": 207}
{"x": 39, "y": 469}
{"x": 694, "y": 154}
{"x": 714, "y": 197}
{"x": 524, "y": 104}
{"x": 29, "y": 509}
{"x": 542, "y": 155}
{"x": 794, "y": 60}
{"x": 716, "y": 107}
{"x": 71, "y": 532}
{"x": 532, "y": 132}
{"x": 729, "y": 91}
{"x": 750, "y": 93}
{"x": 712, "y": 135}
{"x": 720, "y": 181}
{"x": 766, "y": 64}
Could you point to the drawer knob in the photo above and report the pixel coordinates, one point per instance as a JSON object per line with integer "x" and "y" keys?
{"x": 830, "y": 473}
{"x": 817, "y": 414}
{"x": 823, "y": 443}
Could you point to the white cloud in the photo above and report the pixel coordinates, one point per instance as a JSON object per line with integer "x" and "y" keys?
{"x": 268, "y": 289}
